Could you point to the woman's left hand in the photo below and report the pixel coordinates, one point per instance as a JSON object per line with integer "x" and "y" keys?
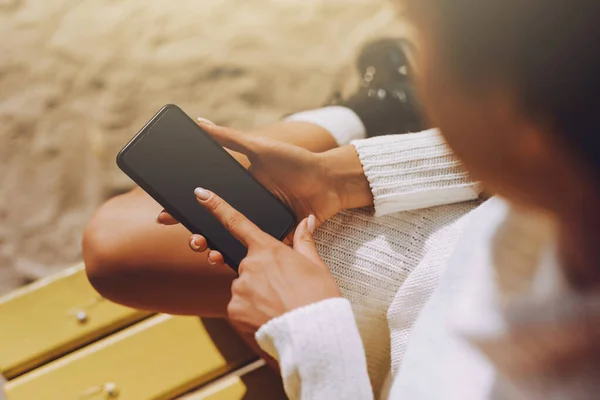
{"x": 273, "y": 278}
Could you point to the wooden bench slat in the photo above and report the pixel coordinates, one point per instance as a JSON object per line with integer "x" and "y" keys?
{"x": 255, "y": 381}
{"x": 158, "y": 358}
{"x": 40, "y": 322}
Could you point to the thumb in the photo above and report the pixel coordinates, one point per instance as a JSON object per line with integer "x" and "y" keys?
{"x": 304, "y": 242}
{"x": 230, "y": 138}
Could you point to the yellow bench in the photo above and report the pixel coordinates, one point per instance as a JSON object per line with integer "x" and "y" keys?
{"x": 59, "y": 340}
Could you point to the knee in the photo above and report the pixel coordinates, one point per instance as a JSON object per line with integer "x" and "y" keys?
{"x": 103, "y": 254}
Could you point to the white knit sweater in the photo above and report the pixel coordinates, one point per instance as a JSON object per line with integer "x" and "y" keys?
{"x": 501, "y": 323}
{"x": 386, "y": 264}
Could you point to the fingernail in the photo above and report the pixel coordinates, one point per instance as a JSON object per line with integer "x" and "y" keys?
{"x": 210, "y": 261}
{"x": 193, "y": 244}
{"x": 158, "y": 218}
{"x": 312, "y": 222}
{"x": 202, "y": 194}
{"x": 204, "y": 121}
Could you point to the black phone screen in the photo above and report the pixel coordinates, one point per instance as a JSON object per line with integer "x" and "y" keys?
{"x": 172, "y": 155}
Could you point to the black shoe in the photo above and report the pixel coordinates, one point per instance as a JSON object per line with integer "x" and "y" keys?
{"x": 385, "y": 101}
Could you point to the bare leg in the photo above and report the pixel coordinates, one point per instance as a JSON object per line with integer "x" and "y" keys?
{"x": 134, "y": 261}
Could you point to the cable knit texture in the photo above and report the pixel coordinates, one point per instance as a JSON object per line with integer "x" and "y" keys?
{"x": 386, "y": 266}
{"x": 412, "y": 171}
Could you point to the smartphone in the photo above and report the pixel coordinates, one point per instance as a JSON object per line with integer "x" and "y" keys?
{"x": 172, "y": 155}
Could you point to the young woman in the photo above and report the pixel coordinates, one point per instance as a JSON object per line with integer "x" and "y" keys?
{"x": 514, "y": 88}
{"x": 134, "y": 261}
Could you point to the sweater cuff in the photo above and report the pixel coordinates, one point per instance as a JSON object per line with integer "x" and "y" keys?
{"x": 341, "y": 122}
{"x": 413, "y": 171}
{"x": 319, "y": 350}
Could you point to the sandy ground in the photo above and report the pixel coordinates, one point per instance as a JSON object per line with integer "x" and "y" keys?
{"x": 79, "y": 77}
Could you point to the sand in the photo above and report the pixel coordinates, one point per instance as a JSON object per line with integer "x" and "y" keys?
{"x": 79, "y": 78}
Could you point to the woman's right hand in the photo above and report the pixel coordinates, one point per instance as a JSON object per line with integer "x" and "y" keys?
{"x": 322, "y": 184}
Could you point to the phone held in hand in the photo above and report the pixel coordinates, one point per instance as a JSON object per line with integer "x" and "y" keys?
{"x": 172, "y": 155}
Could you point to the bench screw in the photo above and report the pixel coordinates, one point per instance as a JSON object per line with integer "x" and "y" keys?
{"x": 82, "y": 317}
{"x": 111, "y": 389}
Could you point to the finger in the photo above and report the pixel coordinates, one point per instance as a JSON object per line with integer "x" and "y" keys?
{"x": 198, "y": 243}
{"x": 216, "y": 258}
{"x": 235, "y": 222}
{"x": 289, "y": 239}
{"x": 164, "y": 218}
{"x": 230, "y": 138}
{"x": 304, "y": 242}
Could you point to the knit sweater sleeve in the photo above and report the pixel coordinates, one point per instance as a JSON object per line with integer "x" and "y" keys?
{"x": 413, "y": 171}
{"x": 320, "y": 352}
